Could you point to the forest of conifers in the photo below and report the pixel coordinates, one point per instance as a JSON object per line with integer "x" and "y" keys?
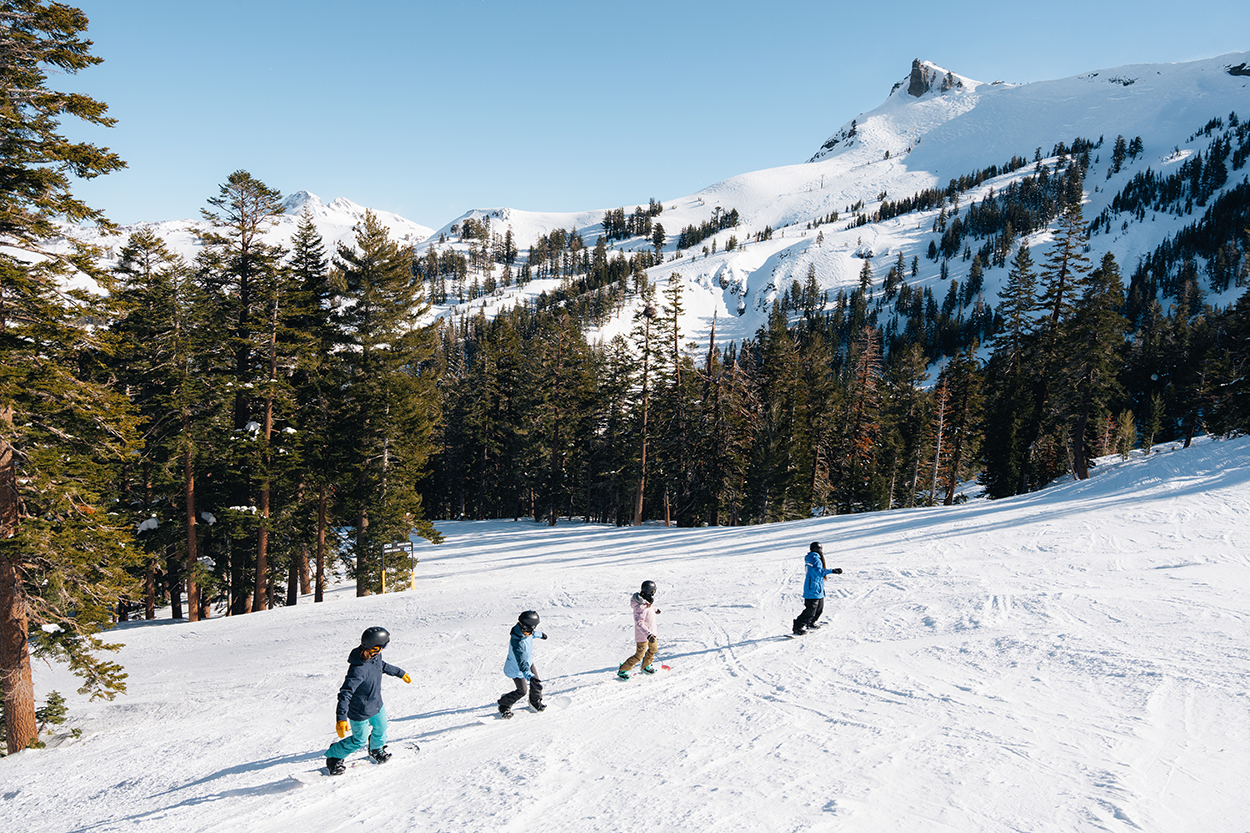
{"x": 223, "y": 434}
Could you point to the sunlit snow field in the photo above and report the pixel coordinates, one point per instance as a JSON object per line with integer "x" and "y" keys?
{"x": 1070, "y": 660}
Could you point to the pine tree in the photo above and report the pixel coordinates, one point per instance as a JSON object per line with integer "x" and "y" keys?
{"x": 158, "y": 321}
{"x": 865, "y": 276}
{"x": 315, "y": 343}
{"x": 674, "y": 408}
{"x": 860, "y": 487}
{"x": 1061, "y": 279}
{"x": 1094, "y": 344}
{"x": 904, "y": 416}
{"x": 1008, "y": 401}
{"x": 389, "y": 404}
{"x": 644, "y": 319}
{"x": 63, "y": 432}
{"x": 239, "y": 274}
{"x": 962, "y": 379}
{"x": 564, "y": 393}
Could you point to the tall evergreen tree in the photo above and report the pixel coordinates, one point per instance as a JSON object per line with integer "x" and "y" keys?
{"x": 1009, "y": 402}
{"x": 389, "y": 407}
{"x": 644, "y": 320}
{"x": 239, "y": 273}
{"x": 158, "y": 320}
{"x": 63, "y": 432}
{"x": 317, "y": 379}
{"x": 1094, "y": 349}
{"x": 1061, "y": 277}
{"x": 962, "y": 378}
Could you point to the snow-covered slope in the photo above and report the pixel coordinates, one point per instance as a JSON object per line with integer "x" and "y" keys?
{"x": 934, "y": 125}
{"x": 1071, "y": 660}
{"x": 953, "y": 127}
{"x": 334, "y": 220}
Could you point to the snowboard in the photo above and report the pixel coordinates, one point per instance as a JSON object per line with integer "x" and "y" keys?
{"x": 315, "y": 775}
{"x": 637, "y": 672}
{"x": 321, "y": 773}
{"x": 556, "y": 703}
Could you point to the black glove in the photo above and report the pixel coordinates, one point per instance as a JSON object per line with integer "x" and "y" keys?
{"x": 651, "y": 639}
{"x": 837, "y": 570}
{"x": 545, "y": 633}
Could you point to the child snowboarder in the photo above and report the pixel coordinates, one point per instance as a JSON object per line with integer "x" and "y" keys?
{"x": 520, "y": 666}
{"x": 813, "y": 590}
{"x": 360, "y": 717}
{"x": 644, "y": 631}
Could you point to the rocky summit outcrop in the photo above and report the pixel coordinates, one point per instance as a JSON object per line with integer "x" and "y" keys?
{"x": 921, "y": 79}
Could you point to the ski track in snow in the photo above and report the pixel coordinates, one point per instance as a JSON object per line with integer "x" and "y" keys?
{"x": 1071, "y": 660}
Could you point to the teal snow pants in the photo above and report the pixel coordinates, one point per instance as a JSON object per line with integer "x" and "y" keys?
{"x": 372, "y": 731}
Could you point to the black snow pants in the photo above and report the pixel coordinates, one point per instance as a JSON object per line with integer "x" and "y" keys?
{"x": 534, "y": 689}
{"x": 812, "y": 608}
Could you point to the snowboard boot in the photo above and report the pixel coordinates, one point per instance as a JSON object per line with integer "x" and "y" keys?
{"x": 380, "y": 756}
{"x": 649, "y": 669}
{"x": 815, "y": 626}
{"x": 504, "y": 711}
{"x": 799, "y": 631}
{"x": 624, "y": 675}
{"x": 538, "y": 706}
{"x": 335, "y": 766}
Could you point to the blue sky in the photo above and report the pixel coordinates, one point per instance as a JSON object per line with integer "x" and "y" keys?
{"x": 431, "y": 109}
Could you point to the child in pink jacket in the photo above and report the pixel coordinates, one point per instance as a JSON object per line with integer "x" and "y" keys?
{"x": 644, "y": 631}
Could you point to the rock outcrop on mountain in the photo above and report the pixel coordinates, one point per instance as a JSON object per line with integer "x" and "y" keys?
{"x": 921, "y": 80}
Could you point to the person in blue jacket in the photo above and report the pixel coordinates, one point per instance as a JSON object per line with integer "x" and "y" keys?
{"x": 813, "y": 590}
{"x": 520, "y": 665}
{"x": 360, "y": 717}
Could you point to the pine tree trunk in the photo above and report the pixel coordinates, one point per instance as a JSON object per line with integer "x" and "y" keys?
{"x": 292, "y": 583}
{"x": 362, "y": 576}
{"x": 642, "y": 470}
{"x": 149, "y": 591}
{"x": 319, "y": 592}
{"x": 188, "y": 471}
{"x": 305, "y": 578}
{"x": 19, "y": 690}
{"x": 15, "y": 676}
{"x": 263, "y": 599}
{"x": 173, "y": 582}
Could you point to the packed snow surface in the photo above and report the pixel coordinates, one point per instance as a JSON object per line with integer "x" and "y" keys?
{"x": 1070, "y": 660}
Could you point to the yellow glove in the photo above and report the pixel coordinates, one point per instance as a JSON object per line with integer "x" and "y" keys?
{"x": 342, "y": 727}
{"x": 407, "y": 679}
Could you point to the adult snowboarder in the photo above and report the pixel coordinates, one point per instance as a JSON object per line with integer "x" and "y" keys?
{"x": 520, "y": 665}
{"x": 360, "y": 717}
{"x": 813, "y": 590}
{"x": 645, "y": 634}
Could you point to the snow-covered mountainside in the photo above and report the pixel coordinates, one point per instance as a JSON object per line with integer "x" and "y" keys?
{"x": 934, "y": 126}
{"x": 334, "y": 220}
{"x": 1068, "y": 661}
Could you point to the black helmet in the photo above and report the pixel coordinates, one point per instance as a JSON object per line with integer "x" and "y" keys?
{"x": 374, "y": 637}
{"x": 528, "y": 620}
{"x": 648, "y": 590}
{"x": 816, "y": 547}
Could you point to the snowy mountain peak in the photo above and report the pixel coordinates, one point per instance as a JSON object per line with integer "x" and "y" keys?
{"x": 926, "y": 77}
{"x": 295, "y": 203}
{"x": 927, "y": 85}
{"x": 346, "y": 206}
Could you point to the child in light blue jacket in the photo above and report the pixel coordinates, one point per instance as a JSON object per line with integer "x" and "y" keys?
{"x": 520, "y": 665}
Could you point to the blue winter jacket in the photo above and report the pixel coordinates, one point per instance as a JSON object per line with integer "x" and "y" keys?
{"x": 520, "y": 657}
{"x": 814, "y": 585}
{"x": 360, "y": 696}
